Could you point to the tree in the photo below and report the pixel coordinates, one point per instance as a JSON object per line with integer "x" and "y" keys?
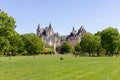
{"x": 7, "y": 32}
{"x": 6, "y": 20}
{"x": 97, "y": 44}
{"x": 87, "y": 43}
{"x": 16, "y": 43}
{"x": 33, "y": 44}
{"x": 110, "y": 40}
{"x": 66, "y": 48}
{"x": 117, "y": 52}
{"x": 77, "y": 48}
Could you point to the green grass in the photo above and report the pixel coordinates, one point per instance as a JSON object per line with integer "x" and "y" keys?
{"x": 47, "y": 67}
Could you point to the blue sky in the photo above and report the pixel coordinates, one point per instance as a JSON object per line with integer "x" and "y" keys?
{"x": 94, "y": 15}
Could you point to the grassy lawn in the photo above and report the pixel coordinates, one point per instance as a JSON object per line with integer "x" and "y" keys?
{"x": 49, "y": 67}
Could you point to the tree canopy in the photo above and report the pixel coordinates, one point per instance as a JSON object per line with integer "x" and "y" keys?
{"x": 87, "y": 42}
{"x": 110, "y": 39}
{"x": 6, "y": 20}
{"x": 66, "y": 48}
{"x": 91, "y": 43}
{"x": 7, "y": 30}
{"x": 33, "y": 44}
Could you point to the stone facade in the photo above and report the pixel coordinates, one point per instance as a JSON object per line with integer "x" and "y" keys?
{"x": 75, "y": 36}
{"x": 54, "y": 39}
{"x": 48, "y": 36}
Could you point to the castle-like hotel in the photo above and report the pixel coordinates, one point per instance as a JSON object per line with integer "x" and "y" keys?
{"x": 54, "y": 39}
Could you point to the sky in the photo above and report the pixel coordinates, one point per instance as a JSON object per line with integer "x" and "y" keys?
{"x": 94, "y": 15}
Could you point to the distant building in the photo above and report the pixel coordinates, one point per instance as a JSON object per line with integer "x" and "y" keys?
{"x": 54, "y": 39}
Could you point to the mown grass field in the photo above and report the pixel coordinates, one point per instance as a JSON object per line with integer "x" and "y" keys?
{"x": 50, "y": 67}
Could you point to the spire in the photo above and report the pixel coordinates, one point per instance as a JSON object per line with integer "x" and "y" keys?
{"x": 38, "y": 27}
{"x": 50, "y": 26}
{"x": 81, "y": 30}
{"x": 73, "y": 28}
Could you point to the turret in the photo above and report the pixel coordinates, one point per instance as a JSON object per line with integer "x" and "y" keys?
{"x": 50, "y": 26}
{"x": 38, "y": 27}
{"x": 81, "y": 30}
{"x": 50, "y": 30}
{"x": 73, "y": 30}
{"x": 38, "y": 30}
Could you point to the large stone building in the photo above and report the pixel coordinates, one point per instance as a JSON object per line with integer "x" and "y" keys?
{"x": 54, "y": 39}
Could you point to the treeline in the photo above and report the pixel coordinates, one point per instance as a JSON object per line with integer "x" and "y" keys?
{"x": 105, "y": 42}
{"x": 12, "y": 43}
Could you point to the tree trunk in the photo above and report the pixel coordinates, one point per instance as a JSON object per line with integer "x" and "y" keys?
{"x": 89, "y": 54}
{"x": 30, "y": 53}
{"x": 106, "y": 53}
{"x": 12, "y": 53}
{"x": 92, "y": 53}
{"x": 98, "y": 53}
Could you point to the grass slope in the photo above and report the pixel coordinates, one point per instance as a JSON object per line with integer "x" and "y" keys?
{"x": 51, "y": 68}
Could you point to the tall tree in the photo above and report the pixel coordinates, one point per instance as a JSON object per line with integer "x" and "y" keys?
{"x": 110, "y": 40}
{"x": 87, "y": 43}
{"x": 33, "y": 44}
{"x": 7, "y": 29}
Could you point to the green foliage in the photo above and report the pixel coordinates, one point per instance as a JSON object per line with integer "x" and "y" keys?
{"x": 77, "y": 47}
{"x": 4, "y": 45}
{"x": 6, "y": 20}
{"x": 98, "y": 33}
{"x": 16, "y": 42}
{"x": 49, "y": 50}
{"x": 91, "y": 43}
{"x": 110, "y": 39}
{"x": 12, "y": 42}
{"x": 33, "y": 44}
{"x": 97, "y": 44}
{"x": 87, "y": 43}
{"x": 10, "y": 39}
{"x": 66, "y": 48}
{"x": 6, "y": 32}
